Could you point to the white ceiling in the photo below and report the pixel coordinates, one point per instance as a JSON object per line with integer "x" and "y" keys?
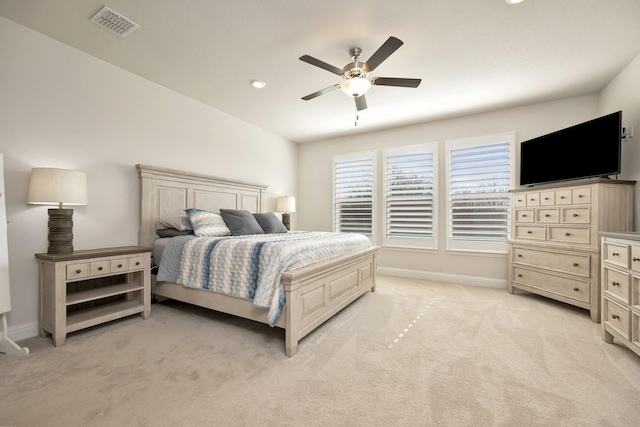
{"x": 472, "y": 55}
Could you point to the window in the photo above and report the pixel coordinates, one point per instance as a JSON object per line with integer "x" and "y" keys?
{"x": 353, "y": 193}
{"x": 409, "y": 196}
{"x": 479, "y": 176}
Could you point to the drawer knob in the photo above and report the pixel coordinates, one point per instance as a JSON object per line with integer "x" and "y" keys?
{"x": 99, "y": 268}
{"x": 547, "y": 215}
{"x": 532, "y": 199}
{"x": 529, "y": 231}
{"x": 615, "y": 316}
{"x": 576, "y": 289}
{"x": 562, "y": 197}
{"x": 78, "y": 271}
{"x": 524, "y": 215}
{"x": 119, "y": 265}
{"x": 575, "y": 264}
{"x": 137, "y": 262}
{"x": 575, "y": 215}
{"x": 579, "y": 196}
{"x": 635, "y": 258}
{"x": 615, "y": 254}
{"x": 546, "y": 198}
{"x": 519, "y": 255}
{"x": 567, "y": 234}
{"x": 614, "y": 283}
{"x": 519, "y": 275}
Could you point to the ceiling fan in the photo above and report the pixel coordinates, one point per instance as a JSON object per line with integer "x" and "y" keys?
{"x": 356, "y": 83}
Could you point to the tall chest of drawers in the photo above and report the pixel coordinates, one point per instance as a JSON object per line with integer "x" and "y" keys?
{"x": 621, "y": 289}
{"x": 554, "y": 250}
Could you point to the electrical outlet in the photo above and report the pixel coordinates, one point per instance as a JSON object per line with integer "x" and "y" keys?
{"x": 627, "y": 132}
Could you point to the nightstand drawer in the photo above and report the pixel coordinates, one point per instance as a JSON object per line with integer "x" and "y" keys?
{"x": 121, "y": 264}
{"x": 100, "y": 267}
{"x": 78, "y": 271}
{"x": 616, "y": 253}
{"x": 136, "y": 263}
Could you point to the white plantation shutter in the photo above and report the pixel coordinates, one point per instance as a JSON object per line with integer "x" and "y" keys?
{"x": 353, "y": 192}
{"x": 479, "y": 179}
{"x": 409, "y": 197}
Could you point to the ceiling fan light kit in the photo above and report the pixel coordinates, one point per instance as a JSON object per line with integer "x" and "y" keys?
{"x": 356, "y": 83}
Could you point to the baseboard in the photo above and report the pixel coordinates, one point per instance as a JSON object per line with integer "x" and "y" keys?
{"x": 443, "y": 277}
{"x": 23, "y": 331}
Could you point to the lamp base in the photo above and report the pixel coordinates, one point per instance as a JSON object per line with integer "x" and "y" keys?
{"x": 286, "y": 220}
{"x": 60, "y": 231}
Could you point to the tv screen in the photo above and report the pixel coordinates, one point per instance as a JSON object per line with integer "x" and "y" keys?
{"x": 589, "y": 149}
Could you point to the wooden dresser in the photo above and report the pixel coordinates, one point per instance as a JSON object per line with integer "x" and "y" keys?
{"x": 554, "y": 248}
{"x": 621, "y": 288}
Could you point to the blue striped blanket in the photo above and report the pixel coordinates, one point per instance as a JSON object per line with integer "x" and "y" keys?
{"x": 250, "y": 267}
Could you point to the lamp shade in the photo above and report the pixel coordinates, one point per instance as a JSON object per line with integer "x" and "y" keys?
{"x": 356, "y": 86}
{"x": 51, "y": 186}
{"x": 286, "y": 204}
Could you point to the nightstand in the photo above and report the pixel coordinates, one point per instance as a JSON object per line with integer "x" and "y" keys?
{"x": 85, "y": 288}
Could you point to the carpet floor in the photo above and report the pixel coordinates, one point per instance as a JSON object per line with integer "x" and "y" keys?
{"x": 413, "y": 353}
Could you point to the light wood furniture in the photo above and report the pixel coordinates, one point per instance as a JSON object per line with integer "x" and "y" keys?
{"x": 554, "y": 249}
{"x": 85, "y": 288}
{"x": 313, "y": 293}
{"x": 621, "y": 289}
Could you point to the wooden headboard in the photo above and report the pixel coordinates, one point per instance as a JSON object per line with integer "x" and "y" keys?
{"x": 167, "y": 192}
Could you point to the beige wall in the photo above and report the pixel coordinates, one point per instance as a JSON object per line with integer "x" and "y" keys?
{"x": 60, "y": 107}
{"x": 315, "y": 194}
{"x": 622, "y": 95}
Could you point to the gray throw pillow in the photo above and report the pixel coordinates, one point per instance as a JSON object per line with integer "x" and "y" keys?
{"x": 270, "y": 223}
{"x": 240, "y": 222}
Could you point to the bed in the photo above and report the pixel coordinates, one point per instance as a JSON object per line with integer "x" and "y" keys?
{"x": 313, "y": 293}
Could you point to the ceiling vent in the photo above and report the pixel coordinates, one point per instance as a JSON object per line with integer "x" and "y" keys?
{"x": 115, "y": 22}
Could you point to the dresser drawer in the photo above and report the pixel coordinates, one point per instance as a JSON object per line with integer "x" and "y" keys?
{"x": 617, "y": 317}
{"x": 566, "y": 287}
{"x": 581, "y": 196}
{"x": 616, "y": 253}
{"x": 547, "y": 198}
{"x": 547, "y": 215}
{"x": 533, "y": 199}
{"x": 531, "y": 232}
{"x": 617, "y": 283}
{"x": 561, "y": 234}
{"x": 78, "y": 271}
{"x": 524, "y": 215}
{"x": 579, "y": 215}
{"x": 577, "y": 264}
{"x": 519, "y": 200}
{"x": 563, "y": 197}
{"x": 635, "y": 258}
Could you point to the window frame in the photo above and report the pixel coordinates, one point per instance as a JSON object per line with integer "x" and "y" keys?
{"x": 478, "y": 246}
{"x": 418, "y": 242}
{"x": 356, "y": 156}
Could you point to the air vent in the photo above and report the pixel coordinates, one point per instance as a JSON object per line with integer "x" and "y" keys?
{"x": 115, "y": 22}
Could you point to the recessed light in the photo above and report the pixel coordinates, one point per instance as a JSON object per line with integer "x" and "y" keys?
{"x": 258, "y": 84}
{"x": 513, "y": 1}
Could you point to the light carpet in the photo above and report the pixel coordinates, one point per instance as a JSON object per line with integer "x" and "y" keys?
{"x": 414, "y": 353}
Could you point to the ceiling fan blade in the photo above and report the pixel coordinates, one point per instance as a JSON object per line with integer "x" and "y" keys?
{"x": 361, "y": 103}
{"x": 321, "y": 92}
{"x": 392, "y": 81}
{"x": 313, "y": 61}
{"x": 391, "y": 45}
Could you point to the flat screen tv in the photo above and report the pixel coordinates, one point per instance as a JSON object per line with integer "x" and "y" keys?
{"x": 589, "y": 149}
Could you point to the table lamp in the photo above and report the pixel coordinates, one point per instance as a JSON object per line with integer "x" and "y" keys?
{"x": 286, "y": 205}
{"x": 50, "y": 186}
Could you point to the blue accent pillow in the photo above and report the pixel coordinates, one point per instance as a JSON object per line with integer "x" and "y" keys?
{"x": 270, "y": 223}
{"x": 240, "y": 222}
{"x": 207, "y": 224}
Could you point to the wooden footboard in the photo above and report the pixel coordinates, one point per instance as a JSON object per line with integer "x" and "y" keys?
{"x": 313, "y": 295}
{"x": 317, "y": 292}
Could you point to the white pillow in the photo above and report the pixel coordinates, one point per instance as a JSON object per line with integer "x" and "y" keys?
{"x": 205, "y": 223}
